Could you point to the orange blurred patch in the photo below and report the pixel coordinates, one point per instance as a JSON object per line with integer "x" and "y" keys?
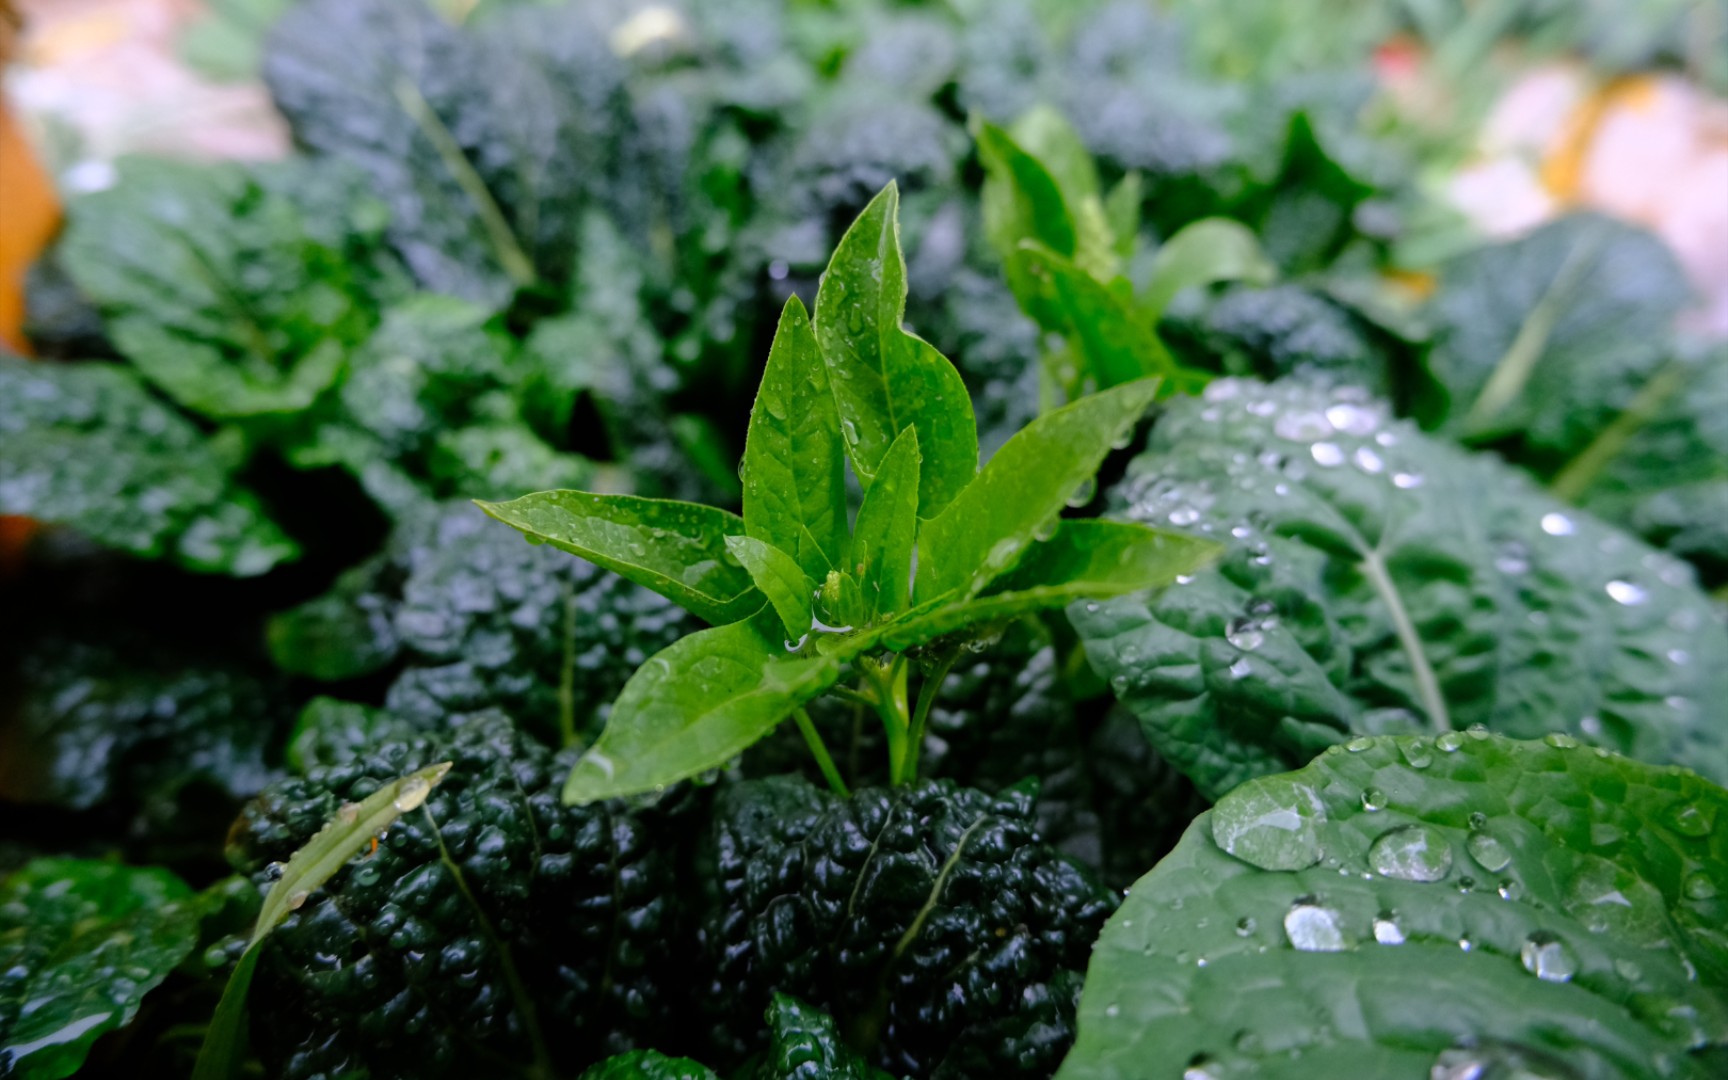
{"x": 31, "y": 216}
{"x": 1562, "y": 172}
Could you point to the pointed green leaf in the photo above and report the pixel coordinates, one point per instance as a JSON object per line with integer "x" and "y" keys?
{"x": 677, "y": 549}
{"x": 1205, "y": 252}
{"x": 1122, "y": 213}
{"x": 794, "y": 463}
{"x": 701, "y": 702}
{"x": 881, "y": 551}
{"x": 1021, "y": 198}
{"x": 780, "y": 580}
{"x": 1022, "y": 490}
{"x": 1084, "y": 560}
{"x": 1116, "y": 343}
{"x": 885, "y": 379}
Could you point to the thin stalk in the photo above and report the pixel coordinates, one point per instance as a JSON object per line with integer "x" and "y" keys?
{"x": 1572, "y": 481}
{"x": 1427, "y": 684}
{"x": 906, "y": 767}
{"x": 1514, "y": 369}
{"x": 813, "y": 739}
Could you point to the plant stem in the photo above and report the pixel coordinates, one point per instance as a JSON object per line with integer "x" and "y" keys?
{"x": 1575, "y": 479}
{"x": 813, "y": 739}
{"x": 906, "y": 767}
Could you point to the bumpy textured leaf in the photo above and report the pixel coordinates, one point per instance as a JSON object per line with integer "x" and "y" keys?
{"x": 806, "y": 1042}
{"x": 86, "y": 445}
{"x": 677, "y": 549}
{"x": 794, "y": 461}
{"x": 648, "y": 1065}
{"x": 1022, "y": 490}
{"x": 475, "y": 141}
{"x": 1378, "y": 581}
{"x": 81, "y": 943}
{"x": 1417, "y": 907}
{"x": 1545, "y": 338}
{"x": 234, "y": 289}
{"x": 885, "y": 379}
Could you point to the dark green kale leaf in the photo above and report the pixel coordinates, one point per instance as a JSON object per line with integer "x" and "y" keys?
{"x": 235, "y": 289}
{"x": 930, "y": 917}
{"x": 60, "y": 322}
{"x": 107, "y": 719}
{"x": 477, "y": 146}
{"x": 1660, "y": 468}
{"x": 1461, "y": 906}
{"x": 805, "y": 1044}
{"x": 1275, "y": 331}
{"x": 481, "y": 620}
{"x": 1381, "y": 581}
{"x": 1539, "y": 342}
{"x": 648, "y": 1065}
{"x": 88, "y": 446}
{"x": 81, "y": 943}
{"x": 499, "y": 925}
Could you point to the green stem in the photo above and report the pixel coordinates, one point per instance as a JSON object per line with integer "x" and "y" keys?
{"x": 907, "y": 765}
{"x": 1427, "y": 684}
{"x": 1513, "y": 372}
{"x": 813, "y": 739}
{"x": 889, "y": 686}
{"x": 1575, "y": 479}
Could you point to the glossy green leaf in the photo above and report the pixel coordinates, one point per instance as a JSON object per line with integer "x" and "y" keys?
{"x": 1380, "y": 581}
{"x": 1023, "y": 489}
{"x": 648, "y": 1065}
{"x": 678, "y": 549}
{"x": 1467, "y": 905}
{"x": 81, "y": 943}
{"x": 696, "y": 705}
{"x": 88, "y": 446}
{"x": 1021, "y": 199}
{"x": 1082, "y": 559}
{"x": 885, "y": 379}
{"x": 794, "y": 461}
{"x": 778, "y": 578}
{"x": 329, "y": 850}
{"x": 880, "y": 555}
{"x": 1209, "y": 251}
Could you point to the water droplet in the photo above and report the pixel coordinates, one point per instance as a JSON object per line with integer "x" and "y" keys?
{"x": 1368, "y": 461}
{"x": 1240, "y": 669}
{"x": 1046, "y": 530}
{"x": 1411, "y": 853}
{"x": 1546, "y": 957}
{"x": 1689, "y": 820}
{"x": 1415, "y": 752}
{"x": 1084, "y": 493}
{"x": 1510, "y": 890}
{"x": 1359, "y": 744}
{"x": 1488, "y": 852}
{"x": 1386, "y": 929}
{"x": 1466, "y": 944}
{"x": 1313, "y": 928}
{"x": 1199, "y": 1071}
{"x": 1406, "y": 480}
{"x": 1113, "y": 1011}
{"x": 1678, "y": 656}
{"x": 297, "y": 900}
{"x": 1244, "y": 634}
{"x": 1184, "y": 515}
{"x": 1699, "y": 886}
{"x": 1624, "y": 592}
{"x": 1272, "y": 823}
{"x": 1302, "y": 426}
{"x": 1326, "y": 454}
{"x": 1184, "y": 579}
{"x": 600, "y": 761}
{"x": 1244, "y": 926}
{"x": 1557, "y": 525}
{"x": 412, "y": 793}
{"x": 1450, "y": 742}
{"x": 1373, "y": 799}
{"x": 1559, "y": 740}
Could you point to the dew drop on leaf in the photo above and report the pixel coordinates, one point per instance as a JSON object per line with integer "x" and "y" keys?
{"x": 1699, "y": 886}
{"x": 1271, "y": 823}
{"x": 1450, "y": 742}
{"x": 1557, "y": 525}
{"x": 1488, "y": 852}
{"x": 1314, "y": 928}
{"x": 1386, "y": 929}
{"x": 1624, "y": 592}
{"x": 1326, "y": 454}
{"x": 1373, "y": 799}
{"x": 1689, "y": 820}
{"x": 1411, "y": 853}
{"x": 412, "y": 793}
{"x": 1546, "y": 957}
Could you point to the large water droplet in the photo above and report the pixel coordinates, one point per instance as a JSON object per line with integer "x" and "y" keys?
{"x": 1273, "y": 823}
{"x": 1352, "y": 420}
{"x": 1416, "y": 752}
{"x": 1084, "y": 493}
{"x": 1386, "y": 929}
{"x": 1313, "y": 928}
{"x": 1449, "y": 741}
{"x": 1411, "y": 853}
{"x": 1368, "y": 461}
{"x": 1690, "y": 820}
{"x": 1326, "y": 454}
{"x": 1302, "y": 426}
{"x": 1624, "y": 592}
{"x": 1559, "y": 740}
{"x": 1557, "y": 525}
{"x": 1699, "y": 886}
{"x": 1610, "y": 900}
{"x": 1488, "y": 852}
{"x": 1406, "y": 480}
{"x": 1373, "y": 799}
{"x": 1546, "y": 957}
{"x": 1184, "y": 515}
{"x": 1245, "y": 634}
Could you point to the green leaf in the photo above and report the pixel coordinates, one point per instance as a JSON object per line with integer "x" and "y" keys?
{"x": 1544, "y": 339}
{"x": 235, "y": 289}
{"x": 306, "y": 871}
{"x": 648, "y": 1065}
{"x": 880, "y": 555}
{"x": 1204, "y": 253}
{"x": 794, "y": 462}
{"x": 1023, "y": 489}
{"x": 1122, "y": 212}
{"x": 81, "y": 943}
{"x": 778, "y": 577}
{"x": 1414, "y": 907}
{"x": 1379, "y": 581}
{"x": 806, "y": 1042}
{"x": 1021, "y": 199}
{"x": 1116, "y": 344}
{"x": 885, "y": 379}
{"x": 678, "y": 549}
{"x": 696, "y": 705}
{"x": 86, "y": 445}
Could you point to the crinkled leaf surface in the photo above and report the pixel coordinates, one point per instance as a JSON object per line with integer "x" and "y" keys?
{"x": 1547, "y": 337}
{"x": 1419, "y": 907}
{"x": 678, "y": 549}
{"x": 1378, "y": 580}
{"x": 233, "y": 288}
{"x": 648, "y": 1065}
{"x": 81, "y": 943}
{"x": 86, "y": 445}
{"x": 885, "y": 379}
